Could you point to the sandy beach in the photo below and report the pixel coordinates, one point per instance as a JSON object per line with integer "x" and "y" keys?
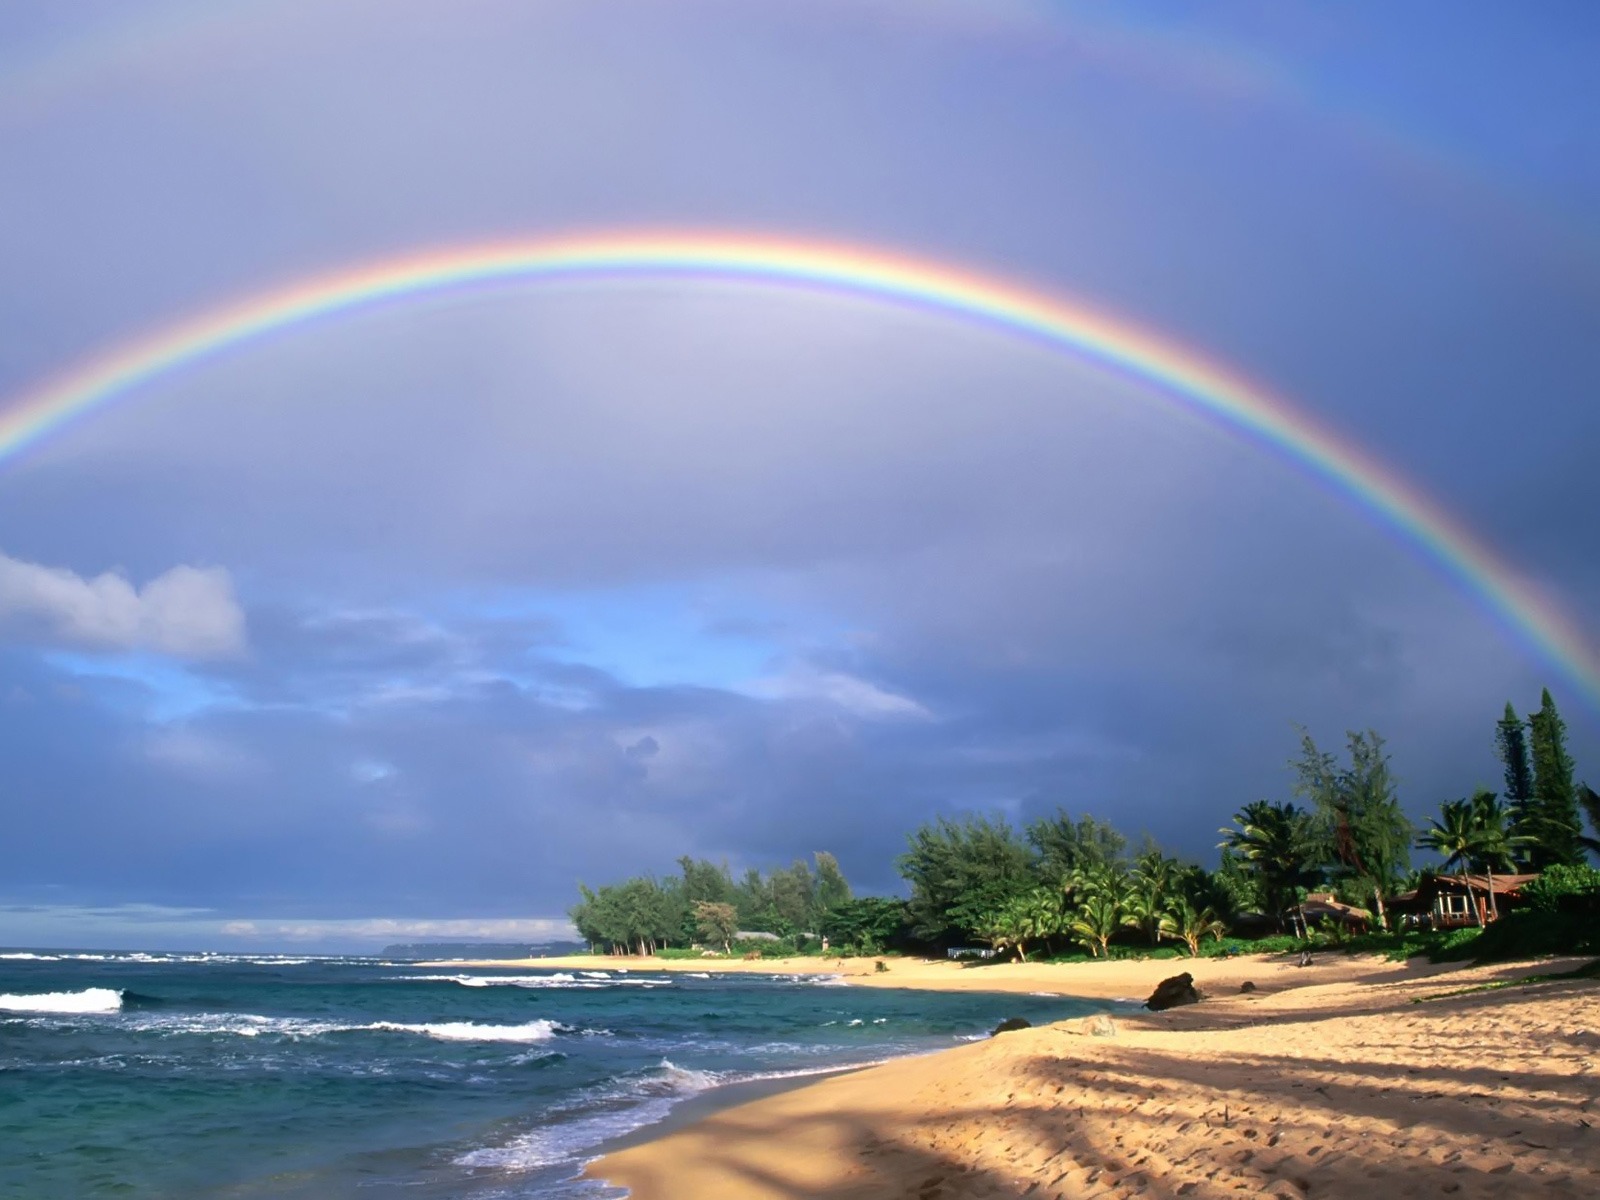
{"x": 1123, "y": 979}
{"x": 1351, "y": 1077}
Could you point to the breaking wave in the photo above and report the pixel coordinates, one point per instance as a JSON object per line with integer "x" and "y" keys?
{"x": 595, "y": 980}
{"x": 89, "y": 1000}
{"x": 466, "y": 1031}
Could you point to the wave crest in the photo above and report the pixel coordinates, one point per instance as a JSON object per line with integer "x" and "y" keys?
{"x": 466, "y": 1031}
{"x": 89, "y": 1000}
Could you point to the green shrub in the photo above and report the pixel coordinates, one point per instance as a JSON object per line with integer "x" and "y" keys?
{"x": 1536, "y": 932}
{"x": 1565, "y": 889}
{"x": 782, "y": 948}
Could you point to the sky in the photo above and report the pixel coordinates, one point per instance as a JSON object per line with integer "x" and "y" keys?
{"x": 395, "y": 625}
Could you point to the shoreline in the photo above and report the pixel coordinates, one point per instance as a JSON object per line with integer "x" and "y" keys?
{"x": 1116, "y": 979}
{"x": 1347, "y": 1077}
{"x": 691, "y": 1110}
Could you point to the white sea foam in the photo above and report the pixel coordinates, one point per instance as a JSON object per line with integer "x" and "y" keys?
{"x": 480, "y": 981}
{"x": 24, "y": 954}
{"x": 238, "y": 1024}
{"x": 466, "y": 1031}
{"x": 595, "y": 974}
{"x": 296, "y": 1028}
{"x": 90, "y": 1000}
{"x": 521, "y": 981}
{"x": 615, "y": 1109}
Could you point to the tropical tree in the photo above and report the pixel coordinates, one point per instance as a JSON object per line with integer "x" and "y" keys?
{"x": 1477, "y": 834}
{"x": 1275, "y": 842}
{"x": 1360, "y": 827}
{"x": 1149, "y": 892}
{"x": 1065, "y": 845}
{"x": 832, "y": 890}
{"x": 1498, "y": 843}
{"x": 1030, "y": 917}
{"x": 866, "y": 923}
{"x": 1189, "y": 925}
{"x": 1453, "y": 834}
{"x": 962, "y": 873}
{"x": 1231, "y": 888}
{"x": 717, "y": 922}
{"x": 1099, "y": 896}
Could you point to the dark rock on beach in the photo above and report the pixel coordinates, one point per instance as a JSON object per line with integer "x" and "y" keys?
{"x": 1011, "y": 1023}
{"x": 1172, "y": 992}
{"x": 1247, "y": 986}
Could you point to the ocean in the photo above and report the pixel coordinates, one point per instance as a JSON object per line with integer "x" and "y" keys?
{"x": 250, "y": 1077}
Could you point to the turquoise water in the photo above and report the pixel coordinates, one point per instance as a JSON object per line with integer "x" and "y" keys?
{"x": 247, "y": 1077}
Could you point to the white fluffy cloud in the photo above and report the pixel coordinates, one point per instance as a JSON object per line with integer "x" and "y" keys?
{"x": 186, "y": 611}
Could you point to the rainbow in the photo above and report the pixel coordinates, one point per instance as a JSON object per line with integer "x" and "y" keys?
{"x": 1175, "y": 372}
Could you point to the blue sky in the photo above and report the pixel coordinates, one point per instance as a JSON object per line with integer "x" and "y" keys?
{"x": 397, "y": 625}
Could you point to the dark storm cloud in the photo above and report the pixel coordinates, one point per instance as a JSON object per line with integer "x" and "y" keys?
{"x": 894, "y": 565}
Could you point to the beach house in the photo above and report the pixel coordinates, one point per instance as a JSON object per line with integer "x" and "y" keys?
{"x": 1454, "y": 901}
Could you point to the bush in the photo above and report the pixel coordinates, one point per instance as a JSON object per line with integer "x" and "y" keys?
{"x": 761, "y": 948}
{"x": 1536, "y": 932}
{"x": 1565, "y": 889}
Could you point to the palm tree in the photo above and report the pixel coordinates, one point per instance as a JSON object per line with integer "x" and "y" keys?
{"x": 1147, "y": 897}
{"x": 1101, "y": 895}
{"x": 1022, "y": 919}
{"x": 1189, "y": 926}
{"x": 1042, "y": 914}
{"x": 1475, "y": 834}
{"x": 1095, "y": 923}
{"x": 1453, "y": 834}
{"x": 1496, "y": 845}
{"x": 1276, "y": 842}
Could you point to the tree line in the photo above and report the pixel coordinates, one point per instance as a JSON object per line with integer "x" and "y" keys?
{"x": 703, "y": 902}
{"x": 1063, "y": 883}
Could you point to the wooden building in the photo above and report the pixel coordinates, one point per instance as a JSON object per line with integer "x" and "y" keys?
{"x": 1455, "y": 901}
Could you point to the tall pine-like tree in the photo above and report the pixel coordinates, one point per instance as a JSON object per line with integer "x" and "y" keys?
{"x": 1553, "y": 823}
{"x": 1512, "y": 739}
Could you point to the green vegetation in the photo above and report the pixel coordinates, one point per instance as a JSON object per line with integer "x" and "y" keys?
{"x": 1066, "y": 888}
{"x": 1361, "y": 835}
{"x": 1551, "y": 823}
{"x": 1275, "y": 845}
{"x": 703, "y": 905}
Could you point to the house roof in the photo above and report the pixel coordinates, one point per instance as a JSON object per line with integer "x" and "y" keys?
{"x": 1323, "y": 904}
{"x": 1504, "y": 885}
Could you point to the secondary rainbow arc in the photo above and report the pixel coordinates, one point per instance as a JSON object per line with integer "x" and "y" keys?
{"x": 1179, "y": 373}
